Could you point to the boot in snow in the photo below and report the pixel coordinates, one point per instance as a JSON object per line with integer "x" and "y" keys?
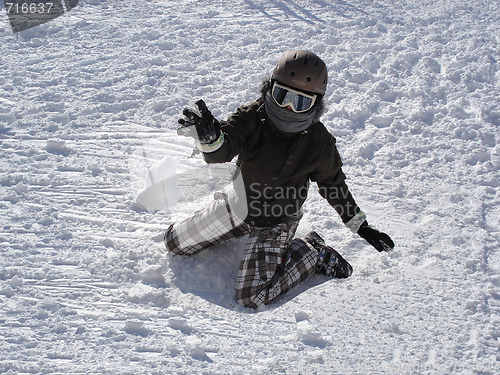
{"x": 330, "y": 262}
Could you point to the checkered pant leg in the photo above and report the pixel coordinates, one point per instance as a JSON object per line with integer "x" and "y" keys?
{"x": 302, "y": 263}
{"x": 208, "y": 227}
{"x": 259, "y": 274}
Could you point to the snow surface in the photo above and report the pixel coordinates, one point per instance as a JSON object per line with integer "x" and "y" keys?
{"x": 89, "y": 102}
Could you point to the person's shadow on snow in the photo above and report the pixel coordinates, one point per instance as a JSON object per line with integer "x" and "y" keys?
{"x": 211, "y": 274}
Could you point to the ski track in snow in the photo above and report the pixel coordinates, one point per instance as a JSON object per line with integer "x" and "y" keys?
{"x": 89, "y": 101}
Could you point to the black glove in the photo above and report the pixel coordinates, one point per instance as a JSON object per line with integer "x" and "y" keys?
{"x": 379, "y": 240}
{"x": 199, "y": 123}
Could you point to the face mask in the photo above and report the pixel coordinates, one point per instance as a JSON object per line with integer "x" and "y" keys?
{"x": 286, "y": 120}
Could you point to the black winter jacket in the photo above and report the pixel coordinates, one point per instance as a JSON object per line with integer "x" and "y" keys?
{"x": 277, "y": 167}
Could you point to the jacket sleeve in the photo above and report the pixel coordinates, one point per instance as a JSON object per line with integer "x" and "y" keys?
{"x": 331, "y": 183}
{"x": 236, "y": 130}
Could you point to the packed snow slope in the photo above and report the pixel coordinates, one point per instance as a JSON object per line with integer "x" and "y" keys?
{"x": 89, "y": 102}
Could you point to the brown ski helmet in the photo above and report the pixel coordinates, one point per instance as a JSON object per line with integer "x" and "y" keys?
{"x": 302, "y": 70}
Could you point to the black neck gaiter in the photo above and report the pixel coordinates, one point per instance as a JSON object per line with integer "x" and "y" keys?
{"x": 288, "y": 121}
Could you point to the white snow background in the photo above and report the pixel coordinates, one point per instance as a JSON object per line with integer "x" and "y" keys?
{"x": 89, "y": 101}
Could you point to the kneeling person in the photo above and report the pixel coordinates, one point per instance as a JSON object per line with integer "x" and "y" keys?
{"x": 281, "y": 146}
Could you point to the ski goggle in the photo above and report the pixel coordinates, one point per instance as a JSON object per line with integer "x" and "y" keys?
{"x": 298, "y": 101}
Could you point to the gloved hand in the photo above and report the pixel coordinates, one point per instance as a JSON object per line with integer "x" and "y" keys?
{"x": 379, "y": 240}
{"x": 199, "y": 123}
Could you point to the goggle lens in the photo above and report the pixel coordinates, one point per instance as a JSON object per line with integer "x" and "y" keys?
{"x": 296, "y": 100}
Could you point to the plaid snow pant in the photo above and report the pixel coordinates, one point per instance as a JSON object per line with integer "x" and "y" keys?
{"x": 273, "y": 261}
